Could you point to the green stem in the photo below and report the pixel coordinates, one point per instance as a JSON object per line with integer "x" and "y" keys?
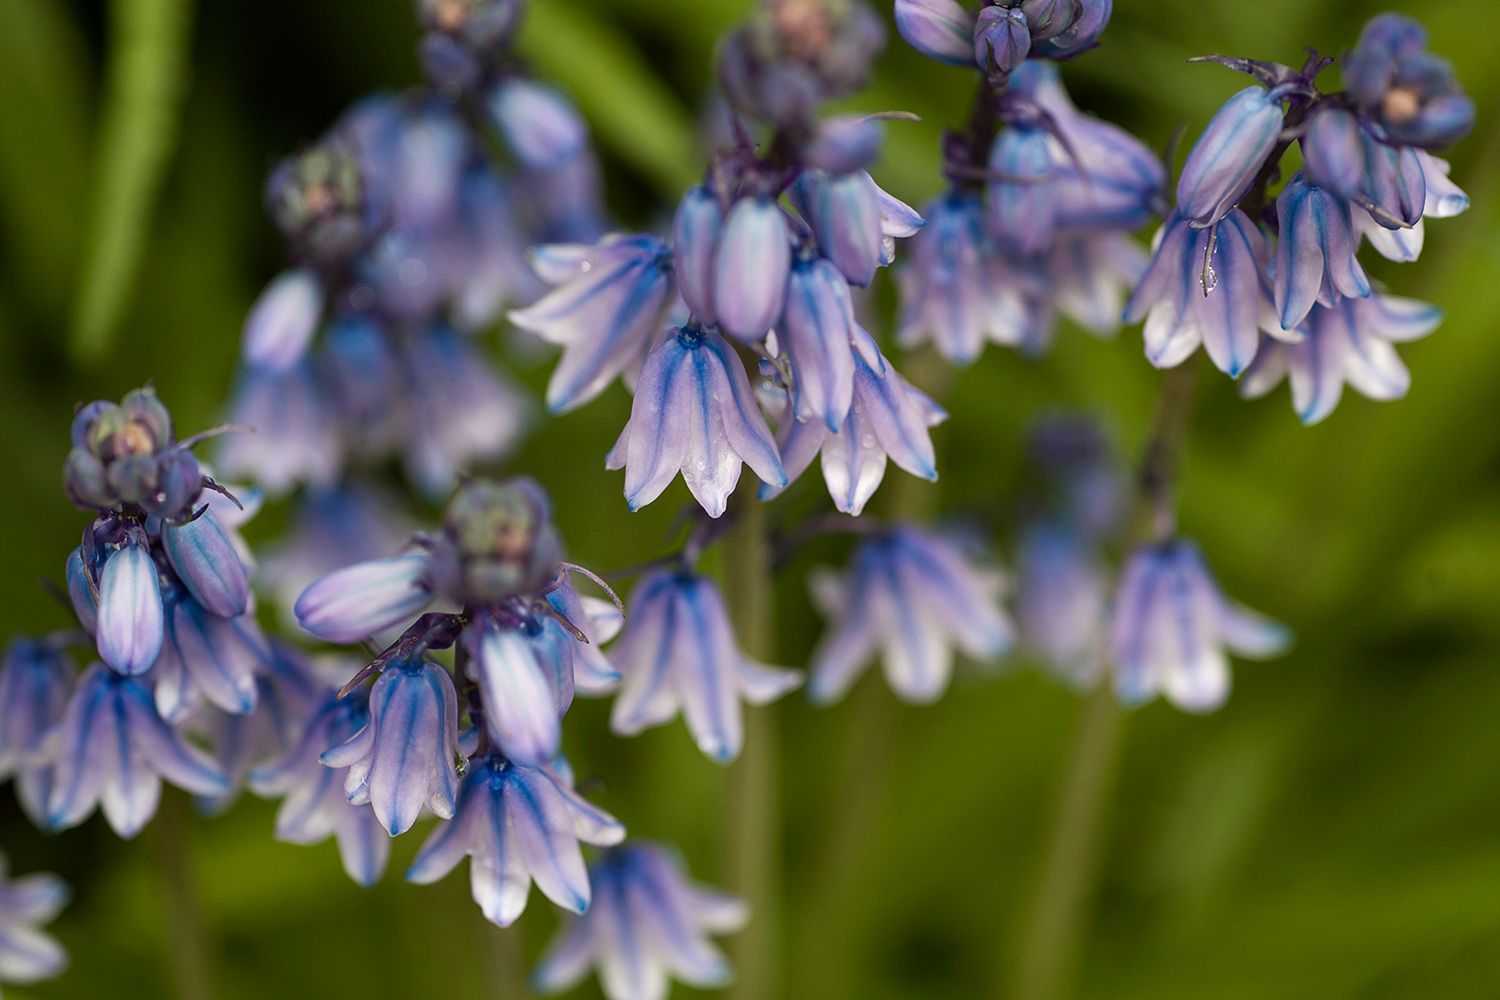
{"x": 147, "y": 79}
{"x": 504, "y": 964}
{"x": 186, "y": 941}
{"x": 752, "y": 833}
{"x": 1069, "y": 876}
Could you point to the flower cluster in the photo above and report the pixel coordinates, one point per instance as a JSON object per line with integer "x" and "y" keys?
{"x": 1041, "y": 196}
{"x": 762, "y": 259}
{"x": 1162, "y": 627}
{"x": 1276, "y": 290}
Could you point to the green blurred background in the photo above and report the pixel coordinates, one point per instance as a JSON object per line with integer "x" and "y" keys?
{"x": 1333, "y": 832}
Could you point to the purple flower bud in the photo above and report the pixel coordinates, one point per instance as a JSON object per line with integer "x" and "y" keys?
{"x": 1081, "y": 35}
{"x": 693, "y": 411}
{"x": 1315, "y": 252}
{"x": 1228, "y": 156}
{"x": 539, "y": 124}
{"x": 35, "y": 681}
{"x": 605, "y": 318}
{"x": 130, "y": 624}
{"x": 520, "y": 709}
{"x": 678, "y": 649}
{"x": 1334, "y": 150}
{"x": 404, "y": 757}
{"x": 695, "y": 238}
{"x": 357, "y": 601}
{"x": 1394, "y": 190}
{"x": 86, "y": 481}
{"x": 1047, "y": 18}
{"x": 1172, "y": 624}
{"x": 939, "y": 29}
{"x": 450, "y": 66}
{"x": 816, "y": 331}
{"x": 911, "y": 597}
{"x": 282, "y": 321}
{"x": 112, "y": 749}
{"x": 845, "y": 143}
{"x": 1205, "y": 286}
{"x": 85, "y": 603}
{"x": 1022, "y": 215}
{"x": 844, "y": 213}
{"x": 517, "y": 823}
{"x": 750, "y": 269}
{"x": 210, "y": 568}
{"x": 646, "y": 921}
{"x": 1001, "y": 40}
{"x": 1352, "y": 341}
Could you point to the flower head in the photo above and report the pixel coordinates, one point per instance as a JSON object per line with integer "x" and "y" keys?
{"x": 1172, "y": 624}
{"x": 912, "y": 597}
{"x": 127, "y": 456}
{"x": 678, "y": 651}
{"x": 645, "y": 923}
{"x": 1411, "y": 93}
{"x": 1062, "y": 596}
{"x": 694, "y": 412}
{"x": 1315, "y": 260}
{"x": 517, "y": 823}
{"x": 111, "y": 748}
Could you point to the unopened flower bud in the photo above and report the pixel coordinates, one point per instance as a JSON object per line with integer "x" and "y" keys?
{"x": 751, "y": 267}
{"x": 695, "y": 238}
{"x": 317, "y": 198}
{"x": 540, "y": 125}
{"x": 1228, "y": 156}
{"x": 498, "y": 541}
{"x": 1001, "y": 40}
{"x": 939, "y": 29}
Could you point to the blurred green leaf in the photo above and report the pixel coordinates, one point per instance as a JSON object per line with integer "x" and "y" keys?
{"x": 148, "y": 65}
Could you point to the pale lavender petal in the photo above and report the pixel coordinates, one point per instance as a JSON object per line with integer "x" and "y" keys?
{"x": 452, "y": 839}
{"x": 853, "y": 462}
{"x": 845, "y": 650}
{"x": 743, "y": 423}
{"x": 659, "y": 430}
{"x": 1266, "y": 371}
{"x": 220, "y": 656}
{"x": 539, "y": 124}
{"x": 695, "y": 238}
{"x": 1398, "y": 319}
{"x": 85, "y": 604}
{"x": 164, "y": 749}
{"x": 567, "y": 959}
{"x": 415, "y": 711}
{"x": 131, "y": 618}
{"x": 28, "y": 955}
{"x": 815, "y": 330}
{"x": 761, "y": 685}
{"x": 283, "y": 320}
{"x": 643, "y": 656}
{"x": 1403, "y": 245}
{"x": 354, "y": 603}
{"x": 1444, "y": 198}
{"x": 750, "y": 269}
{"x": 703, "y": 657}
{"x": 543, "y": 829}
{"x": 364, "y": 848}
{"x": 519, "y": 707}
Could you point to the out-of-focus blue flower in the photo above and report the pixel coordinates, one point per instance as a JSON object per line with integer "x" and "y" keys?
{"x": 842, "y": 144}
{"x": 646, "y": 923}
{"x": 751, "y": 266}
{"x": 538, "y": 123}
{"x": 1022, "y": 214}
{"x": 1116, "y": 180}
{"x": 1351, "y": 341}
{"x": 693, "y": 411}
{"x": 27, "y": 955}
{"x": 517, "y": 823}
{"x": 888, "y": 417}
{"x": 296, "y": 437}
{"x": 1172, "y": 624}
{"x": 357, "y": 601}
{"x": 404, "y": 757}
{"x": 1001, "y": 40}
{"x": 1090, "y": 274}
{"x": 130, "y": 616}
{"x": 282, "y": 321}
{"x": 1205, "y": 286}
{"x": 314, "y": 804}
{"x": 604, "y": 317}
{"x": 678, "y": 651}
{"x": 112, "y": 749}
{"x": 947, "y": 293}
{"x": 35, "y": 680}
{"x": 208, "y": 564}
{"x": 939, "y": 29}
{"x": 695, "y": 240}
{"x": 496, "y": 273}
{"x": 462, "y": 411}
{"x": 1082, "y": 466}
{"x": 911, "y": 597}
{"x": 1228, "y": 156}
{"x": 1410, "y": 92}
{"x": 1314, "y": 251}
{"x": 1062, "y": 601}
